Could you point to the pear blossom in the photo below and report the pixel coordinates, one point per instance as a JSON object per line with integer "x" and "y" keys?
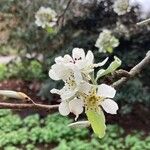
{"x": 121, "y": 7}
{"x": 121, "y": 30}
{"x": 80, "y": 92}
{"x": 75, "y": 106}
{"x": 94, "y": 102}
{"x": 71, "y": 77}
{"x": 84, "y": 62}
{"x": 106, "y": 41}
{"x": 95, "y": 99}
{"x": 46, "y": 17}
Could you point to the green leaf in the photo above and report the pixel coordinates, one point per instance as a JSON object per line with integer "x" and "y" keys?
{"x": 111, "y": 68}
{"x": 110, "y": 49}
{"x": 49, "y": 29}
{"x": 97, "y": 120}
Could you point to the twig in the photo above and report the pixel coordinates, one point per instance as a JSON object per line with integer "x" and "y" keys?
{"x": 121, "y": 73}
{"x": 27, "y": 106}
{"x": 143, "y": 22}
{"x": 134, "y": 71}
{"x": 61, "y": 17}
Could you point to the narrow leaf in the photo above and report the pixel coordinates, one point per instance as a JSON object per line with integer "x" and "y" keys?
{"x": 111, "y": 68}
{"x": 14, "y": 94}
{"x": 79, "y": 124}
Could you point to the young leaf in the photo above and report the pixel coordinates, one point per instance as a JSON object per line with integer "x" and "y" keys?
{"x": 97, "y": 120}
{"x": 79, "y": 124}
{"x": 14, "y": 94}
{"x": 111, "y": 68}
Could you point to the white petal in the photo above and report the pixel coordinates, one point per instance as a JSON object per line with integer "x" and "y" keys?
{"x": 89, "y": 57}
{"x": 55, "y": 91}
{"x": 64, "y": 108}
{"x": 101, "y": 63}
{"x": 58, "y": 59}
{"x": 51, "y": 24}
{"x": 53, "y": 75}
{"x": 68, "y": 59}
{"x": 110, "y": 106}
{"x": 61, "y": 70}
{"x": 38, "y": 23}
{"x": 76, "y": 107}
{"x": 81, "y": 64}
{"x": 106, "y": 91}
{"x": 85, "y": 87}
{"x": 78, "y": 54}
{"x": 64, "y": 93}
{"x": 77, "y": 75}
{"x": 67, "y": 94}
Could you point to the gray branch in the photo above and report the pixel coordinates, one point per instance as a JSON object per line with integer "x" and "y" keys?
{"x": 134, "y": 71}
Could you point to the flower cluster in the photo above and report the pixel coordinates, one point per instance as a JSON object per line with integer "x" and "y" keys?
{"x": 121, "y": 7}
{"x": 106, "y": 41}
{"x": 121, "y": 30}
{"x": 46, "y": 17}
{"x": 81, "y": 91}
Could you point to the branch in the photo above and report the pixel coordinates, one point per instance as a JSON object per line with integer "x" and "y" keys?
{"x": 27, "y": 106}
{"x": 120, "y": 73}
{"x": 61, "y": 17}
{"x": 134, "y": 71}
{"x": 143, "y": 22}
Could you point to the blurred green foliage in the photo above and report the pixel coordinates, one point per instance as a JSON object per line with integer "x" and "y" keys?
{"x": 3, "y": 72}
{"x": 134, "y": 92}
{"x": 51, "y": 132}
{"x": 27, "y": 70}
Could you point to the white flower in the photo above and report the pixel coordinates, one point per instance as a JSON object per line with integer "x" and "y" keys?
{"x": 85, "y": 63}
{"x": 121, "y": 30}
{"x": 93, "y": 98}
{"x": 69, "y": 101}
{"x": 46, "y": 17}
{"x": 106, "y": 41}
{"x": 71, "y": 76}
{"x": 121, "y": 7}
{"x": 81, "y": 92}
{"x": 75, "y": 106}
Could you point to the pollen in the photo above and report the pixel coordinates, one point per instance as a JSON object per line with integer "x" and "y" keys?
{"x": 92, "y": 101}
{"x": 70, "y": 82}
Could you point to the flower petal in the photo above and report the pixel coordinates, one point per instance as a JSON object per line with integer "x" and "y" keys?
{"x": 85, "y": 87}
{"x": 89, "y": 57}
{"x": 68, "y": 59}
{"x": 58, "y": 59}
{"x": 64, "y": 108}
{"x": 110, "y": 106}
{"x": 64, "y": 93}
{"x": 76, "y": 107}
{"x": 78, "y": 54}
{"x": 61, "y": 70}
{"x": 67, "y": 94}
{"x": 77, "y": 75}
{"x": 101, "y": 63}
{"x": 55, "y": 91}
{"x": 106, "y": 91}
{"x": 53, "y": 75}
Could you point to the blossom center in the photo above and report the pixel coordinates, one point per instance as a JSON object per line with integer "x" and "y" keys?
{"x": 92, "y": 101}
{"x": 70, "y": 82}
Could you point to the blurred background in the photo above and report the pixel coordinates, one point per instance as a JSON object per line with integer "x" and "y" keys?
{"x": 28, "y": 51}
